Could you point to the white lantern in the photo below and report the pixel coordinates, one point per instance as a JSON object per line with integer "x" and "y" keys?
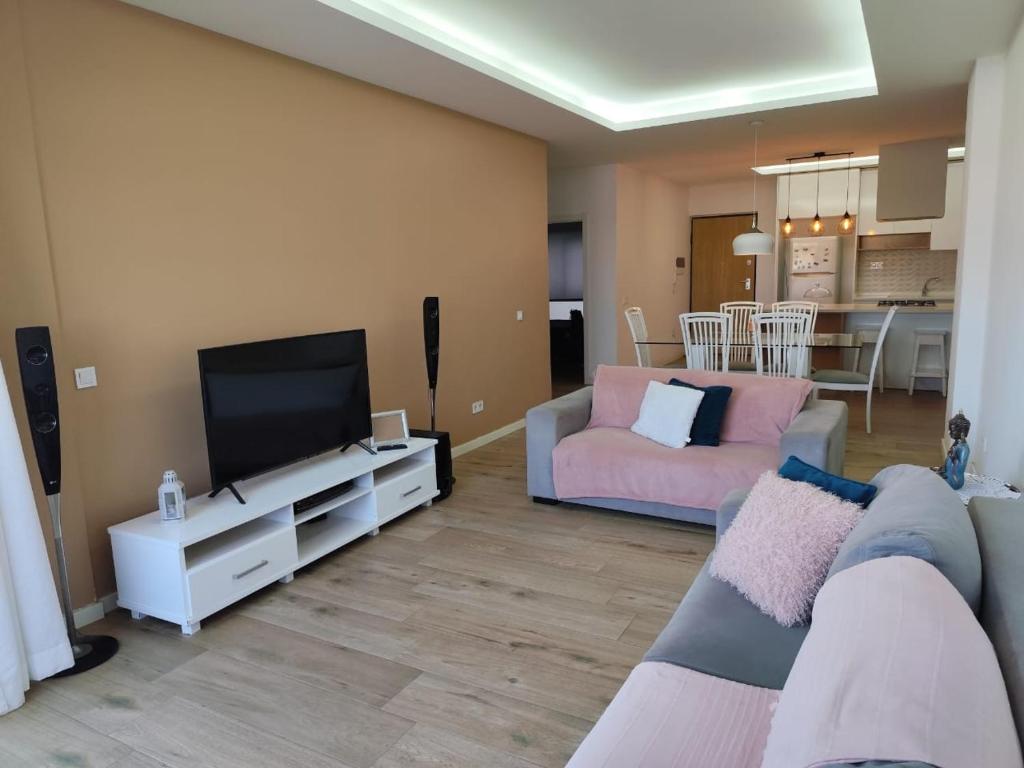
{"x": 171, "y": 497}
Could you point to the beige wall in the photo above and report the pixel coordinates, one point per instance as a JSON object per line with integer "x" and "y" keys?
{"x": 200, "y": 191}
{"x": 653, "y": 230}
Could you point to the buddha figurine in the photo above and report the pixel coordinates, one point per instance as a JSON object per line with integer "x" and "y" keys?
{"x": 959, "y": 452}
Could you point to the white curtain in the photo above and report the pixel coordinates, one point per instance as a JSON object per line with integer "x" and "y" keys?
{"x": 33, "y": 639}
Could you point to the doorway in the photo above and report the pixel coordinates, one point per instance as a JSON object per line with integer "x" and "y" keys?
{"x": 565, "y": 296}
{"x": 716, "y": 276}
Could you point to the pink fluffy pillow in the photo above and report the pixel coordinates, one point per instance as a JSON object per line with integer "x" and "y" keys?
{"x": 778, "y": 550}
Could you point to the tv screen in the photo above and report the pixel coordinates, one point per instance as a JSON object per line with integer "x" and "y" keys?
{"x": 271, "y": 403}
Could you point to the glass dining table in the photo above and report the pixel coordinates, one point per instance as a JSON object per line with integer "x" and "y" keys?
{"x": 838, "y": 341}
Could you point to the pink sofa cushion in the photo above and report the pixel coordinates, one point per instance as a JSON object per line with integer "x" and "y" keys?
{"x": 609, "y": 462}
{"x": 759, "y": 411}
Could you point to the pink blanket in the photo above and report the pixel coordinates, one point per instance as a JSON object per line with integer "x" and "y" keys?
{"x": 666, "y": 716}
{"x": 760, "y": 408}
{"x": 895, "y": 667}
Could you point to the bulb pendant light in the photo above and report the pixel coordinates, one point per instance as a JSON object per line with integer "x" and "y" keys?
{"x": 846, "y": 223}
{"x": 787, "y": 225}
{"x": 816, "y": 225}
{"x": 754, "y": 242}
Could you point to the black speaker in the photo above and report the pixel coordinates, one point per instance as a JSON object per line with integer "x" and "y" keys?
{"x": 432, "y": 337}
{"x": 442, "y": 459}
{"x": 39, "y": 381}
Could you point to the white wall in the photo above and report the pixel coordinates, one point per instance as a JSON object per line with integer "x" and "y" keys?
{"x": 729, "y": 197}
{"x": 589, "y": 195}
{"x": 990, "y": 309}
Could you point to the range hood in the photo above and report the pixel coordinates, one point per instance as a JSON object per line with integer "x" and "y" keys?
{"x": 912, "y": 180}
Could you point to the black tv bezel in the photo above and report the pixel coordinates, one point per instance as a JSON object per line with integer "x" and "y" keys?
{"x": 216, "y": 486}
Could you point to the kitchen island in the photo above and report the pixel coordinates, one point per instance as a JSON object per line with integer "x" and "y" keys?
{"x": 899, "y": 344}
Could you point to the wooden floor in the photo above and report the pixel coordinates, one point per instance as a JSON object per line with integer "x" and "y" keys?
{"x": 483, "y": 631}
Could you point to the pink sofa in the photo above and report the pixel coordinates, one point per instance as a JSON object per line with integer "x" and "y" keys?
{"x": 580, "y": 447}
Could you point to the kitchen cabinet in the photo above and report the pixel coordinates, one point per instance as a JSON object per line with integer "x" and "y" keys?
{"x": 800, "y": 191}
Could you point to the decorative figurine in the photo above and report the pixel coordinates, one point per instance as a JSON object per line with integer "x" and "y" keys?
{"x": 171, "y": 497}
{"x": 959, "y": 452}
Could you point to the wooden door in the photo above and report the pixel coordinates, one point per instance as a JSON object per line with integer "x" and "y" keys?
{"x": 716, "y": 275}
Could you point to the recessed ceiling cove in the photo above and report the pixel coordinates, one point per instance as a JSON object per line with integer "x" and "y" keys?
{"x": 642, "y": 63}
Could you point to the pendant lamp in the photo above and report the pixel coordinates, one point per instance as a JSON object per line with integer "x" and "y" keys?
{"x": 846, "y": 223}
{"x": 755, "y": 242}
{"x": 816, "y": 225}
{"x": 787, "y": 225}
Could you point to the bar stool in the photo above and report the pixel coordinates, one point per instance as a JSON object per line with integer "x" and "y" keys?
{"x": 869, "y": 335}
{"x": 925, "y": 337}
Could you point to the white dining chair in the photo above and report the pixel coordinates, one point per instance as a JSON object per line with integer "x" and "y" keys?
{"x": 638, "y": 330}
{"x": 780, "y": 344}
{"x": 707, "y": 338}
{"x": 855, "y": 381}
{"x": 809, "y": 308}
{"x": 741, "y": 356}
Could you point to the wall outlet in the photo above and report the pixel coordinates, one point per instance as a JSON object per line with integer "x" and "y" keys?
{"x": 519, "y": 314}
{"x": 876, "y": 265}
{"x": 85, "y": 377}
{"x": 478, "y": 406}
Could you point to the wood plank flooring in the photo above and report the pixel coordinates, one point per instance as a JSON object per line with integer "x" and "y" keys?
{"x": 483, "y": 631}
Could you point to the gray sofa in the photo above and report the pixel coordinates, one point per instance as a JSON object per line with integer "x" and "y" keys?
{"x": 715, "y": 630}
{"x": 817, "y": 436}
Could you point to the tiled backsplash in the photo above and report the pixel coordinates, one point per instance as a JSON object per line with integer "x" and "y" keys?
{"x": 902, "y": 273}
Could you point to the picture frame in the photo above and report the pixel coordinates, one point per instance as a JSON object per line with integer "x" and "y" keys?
{"x": 390, "y": 427}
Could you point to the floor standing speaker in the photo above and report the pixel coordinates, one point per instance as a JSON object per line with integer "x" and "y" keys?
{"x": 432, "y": 348}
{"x": 39, "y": 384}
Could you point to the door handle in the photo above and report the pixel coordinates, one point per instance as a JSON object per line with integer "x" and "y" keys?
{"x": 746, "y": 284}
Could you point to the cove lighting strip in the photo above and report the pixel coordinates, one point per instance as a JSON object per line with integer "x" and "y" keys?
{"x": 865, "y": 161}
{"x": 411, "y": 21}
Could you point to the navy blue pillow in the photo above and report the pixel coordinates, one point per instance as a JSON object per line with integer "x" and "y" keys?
{"x": 707, "y": 424}
{"x": 844, "y": 488}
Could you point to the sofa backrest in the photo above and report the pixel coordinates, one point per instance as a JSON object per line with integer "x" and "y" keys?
{"x": 916, "y": 513}
{"x": 999, "y": 525}
{"x": 759, "y": 411}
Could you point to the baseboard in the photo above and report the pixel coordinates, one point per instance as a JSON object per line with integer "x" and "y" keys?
{"x": 87, "y": 614}
{"x": 490, "y": 437}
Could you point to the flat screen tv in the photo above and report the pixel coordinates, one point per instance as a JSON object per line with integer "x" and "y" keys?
{"x": 271, "y": 403}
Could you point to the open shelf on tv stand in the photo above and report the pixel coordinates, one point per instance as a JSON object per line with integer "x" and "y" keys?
{"x": 222, "y": 551}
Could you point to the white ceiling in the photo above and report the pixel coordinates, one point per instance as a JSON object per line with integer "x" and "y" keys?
{"x": 583, "y": 74}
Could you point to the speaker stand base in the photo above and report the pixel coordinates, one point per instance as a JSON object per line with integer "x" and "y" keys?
{"x": 90, "y": 651}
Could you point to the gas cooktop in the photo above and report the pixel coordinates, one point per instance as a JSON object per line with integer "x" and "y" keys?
{"x": 906, "y": 302}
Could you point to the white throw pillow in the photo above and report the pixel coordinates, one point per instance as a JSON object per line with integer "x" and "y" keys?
{"x": 667, "y": 413}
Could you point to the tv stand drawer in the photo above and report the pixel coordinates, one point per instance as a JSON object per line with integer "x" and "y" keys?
{"x": 240, "y": 571}
{"x": 401, "y": 493}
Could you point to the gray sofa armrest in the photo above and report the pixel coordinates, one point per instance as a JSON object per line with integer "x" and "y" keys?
{"x": 546, "y": 425}
{"x": 817, "y": 435}
{"x": 727, "y": 511}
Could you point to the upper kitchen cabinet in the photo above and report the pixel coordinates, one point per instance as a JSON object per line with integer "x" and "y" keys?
{"x": 945, "y": 232}
{"x": 801, "y": 192}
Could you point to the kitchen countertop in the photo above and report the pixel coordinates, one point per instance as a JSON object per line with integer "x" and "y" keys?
{"x": 942, "y": 307}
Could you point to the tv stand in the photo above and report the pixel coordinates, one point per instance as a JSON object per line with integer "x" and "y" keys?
{"x": 185, "y": 571}
{"x": 361, "y": 444}
{"x": 228, "y": 487}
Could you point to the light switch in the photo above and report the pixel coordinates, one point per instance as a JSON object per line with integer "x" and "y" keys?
{"x": 85, "y": 377}
{"x": 519, "y": 314}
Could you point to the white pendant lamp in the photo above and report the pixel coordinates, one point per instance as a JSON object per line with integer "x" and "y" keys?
{"x": 755, "y": 242}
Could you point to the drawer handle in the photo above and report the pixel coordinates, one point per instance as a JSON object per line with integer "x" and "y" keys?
{"x": 247, "y": 571}
{"x": 410, "y": 493}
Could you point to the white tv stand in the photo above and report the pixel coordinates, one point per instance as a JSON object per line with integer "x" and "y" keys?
{"x": 222, "y": 551}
